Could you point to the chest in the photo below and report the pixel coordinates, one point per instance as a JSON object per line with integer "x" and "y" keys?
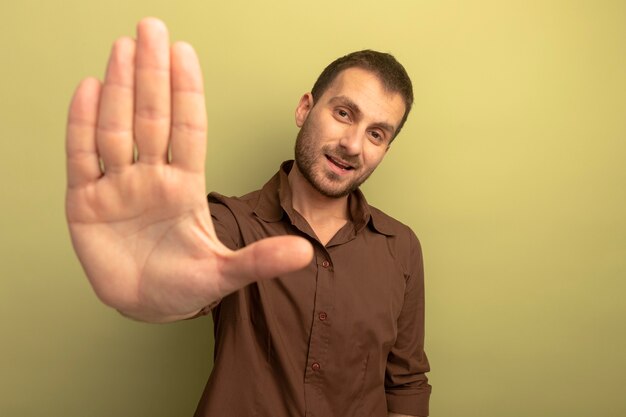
{"x": 349, "y": 292}
{"x": 327, "y": 230}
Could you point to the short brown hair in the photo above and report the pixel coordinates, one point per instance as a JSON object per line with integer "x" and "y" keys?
{"x": 388, "y": 70}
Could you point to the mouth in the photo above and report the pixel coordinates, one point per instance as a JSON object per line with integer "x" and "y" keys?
{"x": 339, "y": 164}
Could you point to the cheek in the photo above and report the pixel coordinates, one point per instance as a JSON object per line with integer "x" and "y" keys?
{"x": 329, "y": 128}
{"x": 374, "y": 155}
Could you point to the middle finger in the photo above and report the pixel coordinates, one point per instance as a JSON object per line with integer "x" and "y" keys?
{"x": 152, "y": 91}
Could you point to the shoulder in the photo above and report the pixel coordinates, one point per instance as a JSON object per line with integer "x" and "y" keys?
{"x": 387, "y": 225}
{"x": 230, "y": 215}
{"x": 402, "y": 240}
{"x": 221, "y": 205}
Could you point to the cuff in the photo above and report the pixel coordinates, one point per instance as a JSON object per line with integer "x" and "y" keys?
{"x": 411, "y": 403}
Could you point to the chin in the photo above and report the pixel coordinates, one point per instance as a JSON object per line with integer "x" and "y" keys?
{"x": 338, "y": 191}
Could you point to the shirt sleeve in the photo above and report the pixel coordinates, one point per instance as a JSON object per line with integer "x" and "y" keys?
{"x": 224, "y": 222}
{"x": 227, "y": 231}
{"x": 406, "y": 385}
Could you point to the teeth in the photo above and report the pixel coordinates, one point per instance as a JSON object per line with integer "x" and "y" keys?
{"x": 340, "y": 165}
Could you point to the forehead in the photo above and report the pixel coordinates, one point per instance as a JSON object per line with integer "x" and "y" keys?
{"x": 365, "y": 89}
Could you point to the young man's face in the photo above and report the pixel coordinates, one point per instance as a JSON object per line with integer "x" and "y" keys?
{"x": 346, "y": 133}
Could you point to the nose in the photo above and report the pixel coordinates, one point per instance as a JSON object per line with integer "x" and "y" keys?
{"x": 352, "y": 141}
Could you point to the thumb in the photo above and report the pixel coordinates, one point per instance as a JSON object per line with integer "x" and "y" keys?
{"x": 267, "y": 258}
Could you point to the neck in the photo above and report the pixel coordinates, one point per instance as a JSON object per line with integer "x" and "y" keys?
{"x": 315, "y": 207}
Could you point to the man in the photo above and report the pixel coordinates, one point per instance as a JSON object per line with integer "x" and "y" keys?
{"x": 338, "y": 331}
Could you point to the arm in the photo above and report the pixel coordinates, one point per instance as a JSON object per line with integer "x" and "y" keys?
{"x": 406, "y": 385}
{"x": 140, "y": 225}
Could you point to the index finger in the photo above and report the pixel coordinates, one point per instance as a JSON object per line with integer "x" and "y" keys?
{"x": 189, "y": 124}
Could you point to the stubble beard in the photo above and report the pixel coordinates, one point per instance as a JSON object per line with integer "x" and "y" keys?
{"x": 307, "y": 156}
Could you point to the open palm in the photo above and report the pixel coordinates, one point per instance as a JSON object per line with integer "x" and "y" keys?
{"x": 136, "y": 205}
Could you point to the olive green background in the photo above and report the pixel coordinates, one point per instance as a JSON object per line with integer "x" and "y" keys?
{"x": 511, "y": 170}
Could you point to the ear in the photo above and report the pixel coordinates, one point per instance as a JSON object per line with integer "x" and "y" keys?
{"x": 304, "y": 107}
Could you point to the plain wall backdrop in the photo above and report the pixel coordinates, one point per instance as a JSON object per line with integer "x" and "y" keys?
{"x": 511, "y": 170}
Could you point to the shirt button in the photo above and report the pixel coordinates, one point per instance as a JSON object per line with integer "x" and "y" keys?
{"x": 325, "y": 264}
{"x": 315, "y": 366}
{"x": 323, "y": 316}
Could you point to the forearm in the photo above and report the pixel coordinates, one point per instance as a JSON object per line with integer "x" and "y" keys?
{"x": 147, "y": 317}
{"x": 390, "y": 414}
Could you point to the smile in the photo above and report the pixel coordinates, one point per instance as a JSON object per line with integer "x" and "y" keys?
{"x": 339, "y": 164}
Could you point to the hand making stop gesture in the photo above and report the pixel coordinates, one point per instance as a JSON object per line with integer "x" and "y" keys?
{"x": 136, "y": 199}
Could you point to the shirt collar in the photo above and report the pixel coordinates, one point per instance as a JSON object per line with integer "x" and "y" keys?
{"x": 275, "y": 201}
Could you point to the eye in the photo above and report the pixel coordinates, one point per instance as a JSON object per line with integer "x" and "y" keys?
{"x": 377, "y": 136}
{"x": 343, "y": 114}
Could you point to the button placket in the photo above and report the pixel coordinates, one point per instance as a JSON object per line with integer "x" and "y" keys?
{"x": 320, "y": 330}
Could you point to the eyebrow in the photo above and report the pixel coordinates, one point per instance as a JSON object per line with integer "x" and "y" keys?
{"x": 345, "y": 101}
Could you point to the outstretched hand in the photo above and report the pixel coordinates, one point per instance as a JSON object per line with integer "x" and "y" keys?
{"x": 136, "y": 199}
